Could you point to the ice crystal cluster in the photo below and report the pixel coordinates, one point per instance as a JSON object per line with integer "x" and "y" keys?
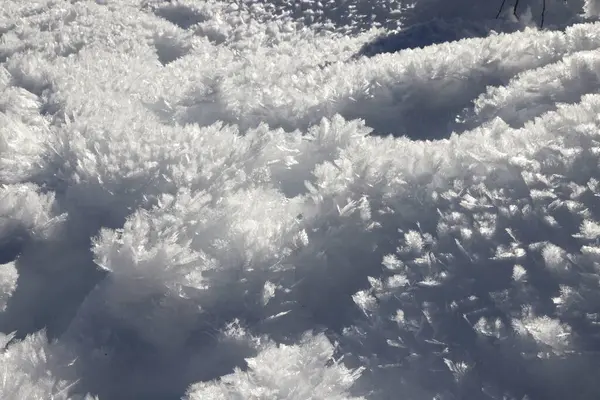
{"x": 316, "y": 199}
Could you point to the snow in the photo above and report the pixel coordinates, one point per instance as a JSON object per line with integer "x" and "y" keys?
{"x": 253, "y": 199}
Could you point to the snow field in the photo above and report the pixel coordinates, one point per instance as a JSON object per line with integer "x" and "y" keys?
{"x": 229, "y": 200}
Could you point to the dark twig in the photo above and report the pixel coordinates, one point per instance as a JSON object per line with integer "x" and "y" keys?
{"x": 516, "y": 7}
{"x": 500, "y": 10}
{"x": 543, "y": 14}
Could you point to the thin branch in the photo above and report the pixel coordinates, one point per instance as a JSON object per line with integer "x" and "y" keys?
{"x": 500, "y": 10}
{"x": 543, "y": 14}
{"x": 515, "y": 8}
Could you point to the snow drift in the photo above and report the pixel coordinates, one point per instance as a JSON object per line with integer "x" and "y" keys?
{"x": 299, "y": 200}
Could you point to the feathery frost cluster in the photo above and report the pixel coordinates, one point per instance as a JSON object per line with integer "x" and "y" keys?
{"x": 255, "y": 199}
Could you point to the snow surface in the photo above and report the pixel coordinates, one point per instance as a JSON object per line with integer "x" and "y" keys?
{"x": 287, "y": 199}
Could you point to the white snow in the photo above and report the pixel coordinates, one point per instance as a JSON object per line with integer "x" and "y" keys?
{"x": 282, "y": 199}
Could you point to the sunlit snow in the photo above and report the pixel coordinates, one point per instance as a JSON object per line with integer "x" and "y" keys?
{"x": 299, "y": 199}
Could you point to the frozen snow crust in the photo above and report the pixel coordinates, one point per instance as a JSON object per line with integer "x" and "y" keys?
{"x": 299, "y": 200}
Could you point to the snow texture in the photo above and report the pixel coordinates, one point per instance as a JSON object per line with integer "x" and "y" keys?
{"x": 255, "y": 199}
